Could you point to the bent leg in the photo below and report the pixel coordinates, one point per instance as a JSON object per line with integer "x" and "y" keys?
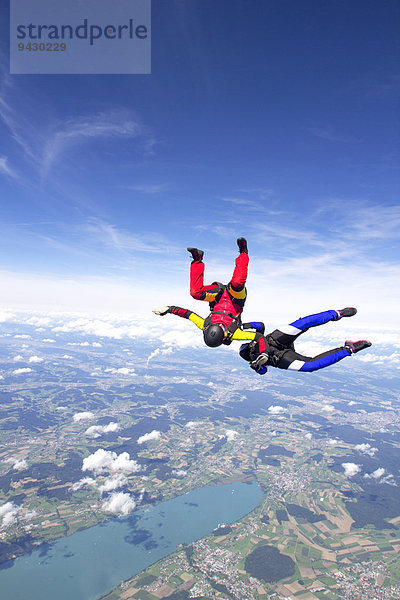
{"x": 198, "y": 290}
{"x": 239, "y": 276}
{"x": 294, "y": 361}
{"x": 314, "y": 320}
{"x": 236, "y": 286}
{"x": 287, "y": 334}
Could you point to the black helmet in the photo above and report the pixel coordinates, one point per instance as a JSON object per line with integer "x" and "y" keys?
{"x": 244, "y": 352}
{"x": 214, "y": 335}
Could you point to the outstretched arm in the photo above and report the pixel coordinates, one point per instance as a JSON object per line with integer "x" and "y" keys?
{"x": 180, "y": 312}
{"x": 240, "y": 334}
{"x": 257, "y": 325}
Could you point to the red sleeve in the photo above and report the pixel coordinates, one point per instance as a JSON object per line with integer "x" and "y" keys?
{"x": 180, "y": 312}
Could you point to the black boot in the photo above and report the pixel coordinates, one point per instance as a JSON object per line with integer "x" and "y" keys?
{"x": 345, "y": 312}
{"x": 355, "y": 347}
{"x": 242, "y": 244}
{"x": 196, "y": 254}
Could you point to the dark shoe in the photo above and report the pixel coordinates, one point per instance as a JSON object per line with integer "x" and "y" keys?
{"x": 355, "y": 347}
{"x": 345, "y": 312}
{"x": 242, "y": 244}
{"x": 196, "y": 253}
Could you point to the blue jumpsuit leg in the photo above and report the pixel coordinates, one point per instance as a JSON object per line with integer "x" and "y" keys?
{"x": 323, "y": 360}
{"x": 292, "y": 360}
{"x": 314, "y": 320}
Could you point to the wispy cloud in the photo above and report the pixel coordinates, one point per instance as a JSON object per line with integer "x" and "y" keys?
{"x": 79, "y": 130}
{"x": 5, "y": 168}
{"x": 248, "y": 204}
{"x": 262, "y": 193}
{"x": 147, "y": 188}
{"x": 125, "y": 241}
{"x": 384, "y": 89}
{"x": 44, "y": 142}
{"x": 365, "y": 221}
{"x": 331, "y": 135}
{"x": 273, "y": 230}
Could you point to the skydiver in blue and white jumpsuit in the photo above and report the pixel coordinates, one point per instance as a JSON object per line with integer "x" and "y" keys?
{"x": 277, "y": 348}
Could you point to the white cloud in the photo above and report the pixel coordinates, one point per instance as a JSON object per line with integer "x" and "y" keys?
{"x": 191, "y": 424}
{"x": 117, "y": 326}
{"x": 22, "y": 371}
{"x": 389, "y": 480}
{"x": 179, "y": 338}
{"x": 308, "y": 436}
{"x": 119, "y": 503}
{"x": 82, "y": 483}
{"x": 276, "y": 410}
{"x": 123, "y": 463}
{"x": 125, "y": 371}
{"x": 99, "y": 430}
{"x": 328, "y": 408}
{"x": 35, "y": 359}
{"x": 147, "y": 437}
{"x": 379, "y": 359}
{"x": 366, "y": 449}
{"x": 18, "y": 358}
{"x": 377, "y": 474}
{"x": 121, "y": 371}
{"x": 39, "y": 321}
{"x": 112, "y": 483}
{"x": 99, "y": 462}
{"x": 231, "y": 434}
{"x": 105, "y": 460}
{"x": 9, "y": 513}
{"x": 6, "y": 316}
{"x": 179, "y": 473}
{"x": 351, "y": 469}
{"x": 331, "y": 442}
{"x": 157, "y": 351}
{"x": 83, "y": 416}
{"x": 20, "y": 465}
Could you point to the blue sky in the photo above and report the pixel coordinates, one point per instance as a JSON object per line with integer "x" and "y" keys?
{"x": 277, "y": 120}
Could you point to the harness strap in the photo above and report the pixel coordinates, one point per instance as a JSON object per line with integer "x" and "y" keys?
{"x": 274, "y": 348}
{"x": 223, "y": 312}
{"x": 207, "y": 322}
{"x": 276, "y": 357}
{"x": 233, "y": 326}
{"x": 217, "y": 298}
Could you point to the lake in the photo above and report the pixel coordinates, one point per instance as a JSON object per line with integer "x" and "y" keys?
{"x": 90, "y": 563}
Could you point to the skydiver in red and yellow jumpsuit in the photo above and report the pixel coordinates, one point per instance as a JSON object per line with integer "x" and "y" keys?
{"x": 226, "y": 301}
